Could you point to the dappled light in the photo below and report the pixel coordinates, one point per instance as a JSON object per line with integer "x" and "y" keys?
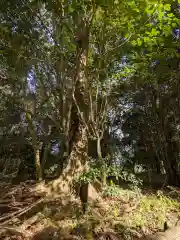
{"x": 27, "y": 214}
{"x": 90, "y": 119}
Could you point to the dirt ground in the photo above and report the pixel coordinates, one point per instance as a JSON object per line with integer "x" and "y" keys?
{"x": 26, "y": 214}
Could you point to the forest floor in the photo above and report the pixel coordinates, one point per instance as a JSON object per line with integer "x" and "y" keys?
{"x": 26, "y": 215}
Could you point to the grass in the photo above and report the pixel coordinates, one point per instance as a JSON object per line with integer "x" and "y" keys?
{"x": 153, "y": 211}
{"x": 109, "y": 215}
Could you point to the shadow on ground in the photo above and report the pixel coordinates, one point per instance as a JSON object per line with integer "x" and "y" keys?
{"x": 82, "y": 233}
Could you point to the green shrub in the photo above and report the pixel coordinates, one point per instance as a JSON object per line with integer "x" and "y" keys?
{"x": 95, "y": 172}
{"x": 111, "y": 191}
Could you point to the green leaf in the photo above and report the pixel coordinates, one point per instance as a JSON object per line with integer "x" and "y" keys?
{"x": 139, "y": 42}
{"x": 154, "y": 32}
{"x": 147, "y": 39}
{"x": 174, "y": 24}
{"x": 167, "y": 7}
{"x": 134, "y": 43}
{"x": 170, "y": 15}
{"x": 149, "y": 10}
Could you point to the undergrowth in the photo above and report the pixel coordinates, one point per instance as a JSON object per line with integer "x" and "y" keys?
{"x": 149, "y": 213}
{"x": 153, "y": 211}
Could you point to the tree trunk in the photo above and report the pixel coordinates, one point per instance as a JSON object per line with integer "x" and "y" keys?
{"x": 157, "y": 165}
{"x": 99, "y": 153}
{"x": 77, "y": 162}
{"x": 35, "y": 146}
{"x": 43, "y": 157}
{"x": 171, "y": 164}
{"x": 172, "y": 171}
{"x": 78, "y": 144}
{"x": 38, "y": 164}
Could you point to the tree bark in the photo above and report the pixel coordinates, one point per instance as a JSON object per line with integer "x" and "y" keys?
{"x": 78, "y": 144}
{"x": 35, "y": 146}
{"x": 38, "y": 164}
{"x": 99, "y": 153}
{"x": 44, "y": 157}
{"x": 172, "y": 170}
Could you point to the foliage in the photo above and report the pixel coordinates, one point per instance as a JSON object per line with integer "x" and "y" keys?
{"x": 112, "y": 191}
{"x": 154, "y": 207}
{"x": 100, "y": 70}
{"x": 94, "y": 174}
{"x": 129, "y": 84}
{"x": 89, "y": 176}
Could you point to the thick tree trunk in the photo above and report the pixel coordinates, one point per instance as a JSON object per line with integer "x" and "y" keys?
{"x": 78, "y": 145}
{"x": 77, "y": 161}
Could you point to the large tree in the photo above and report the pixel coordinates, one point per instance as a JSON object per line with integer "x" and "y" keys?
{"x": 72, "y": 51}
